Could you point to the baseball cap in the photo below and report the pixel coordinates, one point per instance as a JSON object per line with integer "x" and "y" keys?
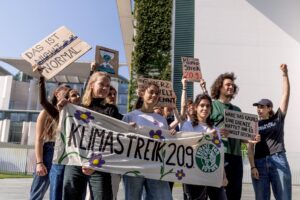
{"x": 264, "y": 102}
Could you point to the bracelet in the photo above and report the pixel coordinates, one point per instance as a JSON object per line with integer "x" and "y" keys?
{"x": 183, "y": 88}
{"x": 39, "y": 163}
{"x": 253, "y": 168}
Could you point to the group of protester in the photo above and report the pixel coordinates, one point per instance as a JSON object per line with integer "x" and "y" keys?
{"x": 267, "y": 157}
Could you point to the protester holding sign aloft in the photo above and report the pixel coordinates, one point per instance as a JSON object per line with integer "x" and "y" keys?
{"x": 202, "y": 123}
{"x": 187, "y": 106}
{"x": 76, "y": 178}
{"x": 44, "y": 145}
{"x": 269, "y": 165}
{"x": 155, "y": 189}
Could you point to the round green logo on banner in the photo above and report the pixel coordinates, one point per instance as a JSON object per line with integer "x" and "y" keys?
{"x": 208, "y": 158}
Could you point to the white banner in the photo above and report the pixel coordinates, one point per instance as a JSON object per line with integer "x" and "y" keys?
{"x": 240, "y": 125}
{"x": 106, "y": 144}
{"x": 56, "y": 51}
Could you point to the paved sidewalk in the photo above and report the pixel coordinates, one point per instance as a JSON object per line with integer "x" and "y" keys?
{"x": 18, "y": 189}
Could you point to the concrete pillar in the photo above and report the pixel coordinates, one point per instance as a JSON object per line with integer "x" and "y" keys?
{"x": 31, "y": 133}
{"x": 24, "y": 138}
{"x": 32, "y": 95}
{"x": 5, "y": 92}
{"x": 5, "y": 130}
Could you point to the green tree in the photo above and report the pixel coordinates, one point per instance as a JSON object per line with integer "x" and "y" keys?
{"x": 151, "y": 56}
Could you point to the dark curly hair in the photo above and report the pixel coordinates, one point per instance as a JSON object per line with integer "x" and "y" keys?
{"x": 139, "y": 103}
{"x": 217, "y": 85}
{"x": 198, "y": 99}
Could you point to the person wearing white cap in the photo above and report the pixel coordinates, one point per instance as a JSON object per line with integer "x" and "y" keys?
{"x": 269, "y": 165}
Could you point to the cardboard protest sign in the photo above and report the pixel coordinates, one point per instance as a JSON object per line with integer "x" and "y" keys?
{"x": 56, "y": 51}
{"x": 240, "y": 125}
{"x": 108, "y": 60}
{"x": 191, "y": 69}
{"x": 167, "y": 96}
{"x": 109, "y": 145}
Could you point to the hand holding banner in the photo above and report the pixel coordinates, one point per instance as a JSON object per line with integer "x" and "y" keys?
{"x": 106, "y": 144}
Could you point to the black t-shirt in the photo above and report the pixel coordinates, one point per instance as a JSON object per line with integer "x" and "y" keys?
{"x": 100, "y": 106}
{"x": 272, "y": 136}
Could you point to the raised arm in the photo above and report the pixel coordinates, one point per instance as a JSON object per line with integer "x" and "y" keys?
{"x": 183, "y": 97}
{"x": 203, "y": 86}
{"x": 53, "y": 112}
{"x": 286, "y": 89}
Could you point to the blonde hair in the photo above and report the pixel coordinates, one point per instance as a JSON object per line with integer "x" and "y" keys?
{"x": 88, "y": 93}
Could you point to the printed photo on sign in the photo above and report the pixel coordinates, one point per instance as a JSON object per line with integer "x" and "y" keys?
{"x": 107, "y": 60}
{"x": 109, "y": 145}
{"x": 167, "y": 96}
{"x": 56, "y": 51}
{"x": 240, "y": 125}
{"x": 191, "y": 69}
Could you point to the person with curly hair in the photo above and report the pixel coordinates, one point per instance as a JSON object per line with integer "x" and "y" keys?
{"x": 223, "y": 91}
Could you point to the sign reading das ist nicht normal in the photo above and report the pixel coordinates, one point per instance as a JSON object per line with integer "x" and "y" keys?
{"x": 167, "y": 96}
{"x": 191, "y": 69}
{"x": 56, "y": 51}
{"x": 107, "y": 144}
{"x": 240, "y": 125}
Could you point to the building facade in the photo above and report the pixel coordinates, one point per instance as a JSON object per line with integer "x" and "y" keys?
{"x": 19, "y": 105}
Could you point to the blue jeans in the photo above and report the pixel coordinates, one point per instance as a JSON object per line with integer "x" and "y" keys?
{"x": 155, "y": 189}
{"x": 40, "y": 184}
{"x": 273, "y": 170}
{"x": 56, "y": 176}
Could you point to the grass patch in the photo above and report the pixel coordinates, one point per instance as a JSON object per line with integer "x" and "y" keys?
{"x": 14, "y": 175}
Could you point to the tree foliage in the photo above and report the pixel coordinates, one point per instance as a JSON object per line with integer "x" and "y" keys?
{"x": 152, "y": 52}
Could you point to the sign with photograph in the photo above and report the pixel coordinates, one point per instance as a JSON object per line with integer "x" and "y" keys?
{"x": 56, "y": 51}
{"x": 240, "y": 125}
{"x": 191, "y": 69}
{"x": 107, "y": 60}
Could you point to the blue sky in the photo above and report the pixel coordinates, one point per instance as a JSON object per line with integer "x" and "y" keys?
{"x": 24, "y": 23}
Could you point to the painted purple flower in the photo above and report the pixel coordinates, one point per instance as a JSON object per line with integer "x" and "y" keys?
{"x": 96, "y": 160}
{"x": 180, "y": 174}
{"x": 216, "y": 141}
{"x": 83, "y": 116}
{"x": 156, "y": 135}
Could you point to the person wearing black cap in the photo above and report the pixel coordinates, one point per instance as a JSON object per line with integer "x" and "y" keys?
{"x": 269, "y": 165}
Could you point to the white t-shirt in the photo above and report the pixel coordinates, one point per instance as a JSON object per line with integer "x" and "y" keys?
{"x": 146, "y": 119}
{"x": 201, "y": 127}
